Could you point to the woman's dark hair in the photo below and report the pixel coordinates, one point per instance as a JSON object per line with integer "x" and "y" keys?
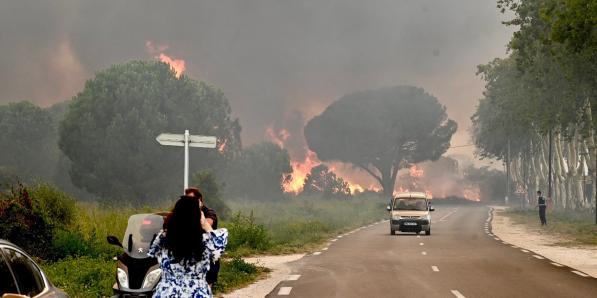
{"x": 184, "y": 234}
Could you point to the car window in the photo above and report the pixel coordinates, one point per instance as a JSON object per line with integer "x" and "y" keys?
{"x": 7, "y": 283}
{"x": 28, "y": 277}
{"x": 410, "y": 204}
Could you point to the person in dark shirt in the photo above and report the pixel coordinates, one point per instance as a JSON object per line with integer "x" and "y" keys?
{"x": 542, "y": 204}
{"x": 212, "y": 218}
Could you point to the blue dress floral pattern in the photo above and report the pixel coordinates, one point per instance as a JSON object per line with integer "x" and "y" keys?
{"x": 187, "y": 279}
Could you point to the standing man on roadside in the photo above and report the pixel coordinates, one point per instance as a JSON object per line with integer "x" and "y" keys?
{"x": 212, "y": 219}
{"x": 542, "y": 204}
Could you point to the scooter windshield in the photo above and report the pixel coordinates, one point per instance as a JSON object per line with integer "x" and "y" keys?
{"x": 140, "y": 232}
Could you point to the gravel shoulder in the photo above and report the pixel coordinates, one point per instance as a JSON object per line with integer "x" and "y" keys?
{"x": 582, "y": 258}
{"x": 280, "y": 270}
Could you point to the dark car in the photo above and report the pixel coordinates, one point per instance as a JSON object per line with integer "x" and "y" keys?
{"x": 20, "y": 276}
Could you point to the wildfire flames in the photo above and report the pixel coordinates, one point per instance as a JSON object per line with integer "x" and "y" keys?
{"x": 178, "y": 65}
{"x": 303, "y": 161}
{"x": 442, "y": 183}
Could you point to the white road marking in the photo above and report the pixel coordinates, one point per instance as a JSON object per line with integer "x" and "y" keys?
{"x": 424, "y": 253}
{"x": 421, "y": 243}
{"x": 325, "y": 248}
{"x": 434, "y": 268}
{"x": 556, "y": 264}
{"x": 316, "y": 253}
{"x": 496, "y": 238}
{"x": 284, "y": 291}
{"x": 538, "y": 257}
{"x": 457, "y": 294}
{"x": 579, "y": 273}
{"x": 293, "y": 277}
{"x": 418, "y": 236}
{"x": 333, "y": 240}
{"x": 339, "y": 236}
{"x": 514, "y": 246}
{"x": 524, "y": 250}
{"x": 447, "y": 215}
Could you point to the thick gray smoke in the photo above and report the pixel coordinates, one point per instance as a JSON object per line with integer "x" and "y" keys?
{"x": 270, "y": 57}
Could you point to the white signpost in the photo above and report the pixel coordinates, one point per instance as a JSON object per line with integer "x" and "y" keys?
{"x": 186, "y": 140}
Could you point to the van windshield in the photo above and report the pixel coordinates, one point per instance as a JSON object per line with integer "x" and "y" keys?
{"x": 410, "y": 204}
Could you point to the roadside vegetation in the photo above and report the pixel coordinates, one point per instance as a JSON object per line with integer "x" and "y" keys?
{"x": 574, "y": 228}
{"x": 68, "y": 237}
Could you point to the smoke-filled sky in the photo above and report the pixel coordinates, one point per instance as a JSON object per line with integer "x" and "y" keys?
{"x": 270, "y": 57}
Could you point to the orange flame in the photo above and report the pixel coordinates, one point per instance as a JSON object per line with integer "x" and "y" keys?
{"x": 178, "y": 65}
{"x": 300, "y": 170}
{"x": 472, "y": 193}
{"x": 416, "y": 172}
{"x": 222, "y": 145}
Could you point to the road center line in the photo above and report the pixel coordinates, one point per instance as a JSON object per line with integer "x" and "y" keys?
{"x": 421, "y": 243}
{"x": 457, "y": 294}
{"x": 293, "y": 277}
{"x": 434, "y": 268}
{"x": 447, "y": 215}
{"x": 524, "y": 250}
{"x": 556, "y": 264}
{"x": 284, "y": 291}
{"x": 538, "y": 257}
{"x": 424, "y": 253}
{"x": 579, "y": 273}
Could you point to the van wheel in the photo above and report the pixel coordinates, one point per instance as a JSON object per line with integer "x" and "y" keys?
{"x": 428, "y": 232}
{"x": 392, "y": 232}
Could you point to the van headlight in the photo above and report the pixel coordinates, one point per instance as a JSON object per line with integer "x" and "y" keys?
{"x": 396, "y": 217}
{"x": 152, "y": 278}
{"x": 123, "y": 279}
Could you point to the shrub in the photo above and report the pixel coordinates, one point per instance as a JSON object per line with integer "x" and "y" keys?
{"x": 245, "y": 233}
{"x": 20, "y": 224}
{"x": 29, "y": 216}
{"x": 56, "y": 207}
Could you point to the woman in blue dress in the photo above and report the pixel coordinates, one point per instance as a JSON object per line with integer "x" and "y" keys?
{"x": 184, "y": 250}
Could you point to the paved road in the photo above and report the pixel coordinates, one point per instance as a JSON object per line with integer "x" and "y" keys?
{"x": 459, "y": 259}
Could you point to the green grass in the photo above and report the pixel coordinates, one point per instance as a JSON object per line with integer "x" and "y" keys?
{"x": 300, "y": 224}
{"x": 575, "y": 228}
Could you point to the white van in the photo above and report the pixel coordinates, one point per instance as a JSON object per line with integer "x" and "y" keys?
{"x": 410, "y": 212}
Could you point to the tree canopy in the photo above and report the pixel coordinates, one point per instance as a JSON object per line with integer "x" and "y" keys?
{"x": 381, "y": 131}
{"x": 259, "y": 172}
{"x": 110, "y": 128}
{"x": 325, "y": 182}
{"x": 27, "y": 141}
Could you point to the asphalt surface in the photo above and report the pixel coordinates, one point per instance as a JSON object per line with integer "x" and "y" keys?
{"x": 459, "y": 259}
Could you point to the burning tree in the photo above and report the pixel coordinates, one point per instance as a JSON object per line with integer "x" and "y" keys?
{"x": 323, "y": 181}
{"x": 381, "y": 131}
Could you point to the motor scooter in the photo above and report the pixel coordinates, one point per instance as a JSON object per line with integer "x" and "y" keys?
{"x": 136, "y": 273}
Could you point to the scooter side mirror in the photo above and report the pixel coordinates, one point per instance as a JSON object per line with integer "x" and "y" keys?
{"x": 114, "y": 241}
{"x": 388, "y": 208}
{"x": 431, "y": 208}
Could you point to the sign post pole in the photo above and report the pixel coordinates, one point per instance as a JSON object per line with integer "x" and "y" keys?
{"x": 186, "y": 159}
